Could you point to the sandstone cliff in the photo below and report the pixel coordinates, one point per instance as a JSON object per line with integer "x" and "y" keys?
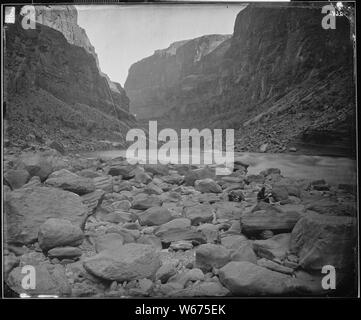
{"x": 281, "y": 79}
{"x": 155, "y": 81}
{"x": 54, "y": 88}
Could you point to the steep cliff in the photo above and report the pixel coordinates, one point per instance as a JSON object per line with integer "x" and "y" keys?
{"x": 281, "y": 78}
{"x": 54, "y": 89}
{"x": 154, "y": 82}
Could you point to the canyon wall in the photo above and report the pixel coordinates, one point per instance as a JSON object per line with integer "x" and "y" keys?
{"x": 281, "y": 80}
{"x": 53, "y": 84}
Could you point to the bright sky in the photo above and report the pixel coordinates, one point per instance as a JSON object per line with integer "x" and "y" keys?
{"x": 123, "y": 35}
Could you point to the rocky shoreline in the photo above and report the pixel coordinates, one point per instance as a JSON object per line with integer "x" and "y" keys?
{"x": 105, "y": 228}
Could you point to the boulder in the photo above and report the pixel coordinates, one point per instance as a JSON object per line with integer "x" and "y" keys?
{"x": 69, "y": 181}
{"x": 144, "y": 202}
{"x": 178, "y": 229}
{"x": 125, "y": 263}
{"x": 126, "y": 171}
{"x": 248, "y": 279}
{"x": 244, "y": 253}
{"x": 254, "y": 222}
{"x": 157, "y": 169}
{"x": 271, "y": 265}
{"x": 173, "y": 179}
{"x": 173, "y": 225}
{"x": 122, "y": 205}
{"x": 187, "y": 275}
{"x": 330, "y": 207}
{"x": 16, "y": 178}
{"x": 150, "y": 239}
{"x": 50, "y": 279}
{"x": 321, "y": 240}
{"x": 279, "y": 193}
{"x": 104, "y": 183}
{"x": 58, "y": 146}
{"x": 181, "y": 245}
{"x": 198, "y": 174}
{"x": 152, "y": 188}
{"x": 211, "y": 255}
{"x": 273, "y": 248}
{"x": 202, "y": 289}
{"x": 91, "y": 200}
{"x": 200, "y": 213}
{"x": 227, "y": 210}
{"x": 207, "y": 186}
{"x": 64, "y": 252}
{"x": 155, "y": 216}
{"x": 59, "y": 232}
{"x": 108, "y": 241}
{"x": 210, "y": 231}
{"x": 37, "y": 164}
{"x": 27, "y": 208}
{"x": 142, "y": 177}
{"x": 233, "y": 242}
{"x": 166, "y": 271}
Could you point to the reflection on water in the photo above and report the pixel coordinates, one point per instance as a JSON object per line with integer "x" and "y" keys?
{"x": 334, "y": 170}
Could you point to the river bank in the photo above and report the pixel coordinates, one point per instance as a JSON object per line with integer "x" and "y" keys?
{"x": 98, "y": 227}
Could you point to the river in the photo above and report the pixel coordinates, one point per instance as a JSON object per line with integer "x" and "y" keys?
{"x": 334, "y": 170}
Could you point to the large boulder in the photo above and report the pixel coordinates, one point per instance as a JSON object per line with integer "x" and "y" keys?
{"x": 279, "y": 221}
{"x": 211, "y": 255}
{"x": 27, "y": 208}
{"x": 247, "y": 279}
{"x": 207, "y": 186}
{"x": 59, "y": 232}
{"x": 16, "y": 178}
{"x": 321, "y": 240}
{"x": 125, "y": 263}
{"x": 200, "y": 213}
{"x": 50, "y": 279}
{"x": 69, "y": 181}
{"x": 155, "y": 216}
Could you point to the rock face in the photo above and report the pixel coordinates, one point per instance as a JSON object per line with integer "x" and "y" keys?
{"x": 271, "y": 69}
{"x": 46, "y": 94}
{"x": 324, "y": 240}
{"x": 128, "y": 262}
{"x": 27, "y": 208}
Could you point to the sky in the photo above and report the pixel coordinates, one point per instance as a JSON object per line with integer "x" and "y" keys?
{"x": 123, "y": 35}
